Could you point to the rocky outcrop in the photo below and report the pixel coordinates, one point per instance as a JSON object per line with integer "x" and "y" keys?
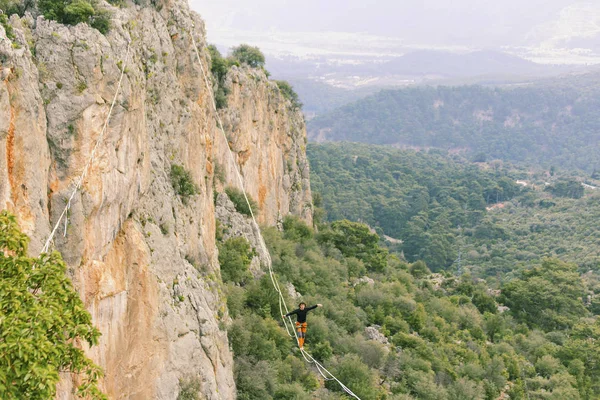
{"x": 373, "y": 332}
{"x": 269, "y": 142}
{"x": 144, "y": 261}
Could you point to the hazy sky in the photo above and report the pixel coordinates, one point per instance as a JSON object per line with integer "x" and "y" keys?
{"x": 469, "y": 23}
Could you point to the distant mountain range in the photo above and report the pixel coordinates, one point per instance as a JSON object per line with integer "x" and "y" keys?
{"x": 417, "y": 67}
{"x": 478, "y": 63}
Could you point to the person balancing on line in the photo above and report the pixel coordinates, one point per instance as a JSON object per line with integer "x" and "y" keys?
{"x": 301, "y": 321}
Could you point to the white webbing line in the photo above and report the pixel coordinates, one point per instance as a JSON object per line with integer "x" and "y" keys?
{"x": 87, "y": 166}
{"x": 305, "y": 354}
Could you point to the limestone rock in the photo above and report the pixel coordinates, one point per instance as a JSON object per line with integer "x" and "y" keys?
{"x": 373, "y": 333}
{"x": 364, "y": 280}
{"x": 294, "y": 294}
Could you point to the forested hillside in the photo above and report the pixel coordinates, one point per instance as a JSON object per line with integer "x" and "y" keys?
{"x": 499, "y": 218}
{"x": 549, "y": 124}
{"x": 392, "y": 330}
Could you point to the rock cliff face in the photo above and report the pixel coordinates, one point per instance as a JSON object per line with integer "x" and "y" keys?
{"x": 145, "y": 262}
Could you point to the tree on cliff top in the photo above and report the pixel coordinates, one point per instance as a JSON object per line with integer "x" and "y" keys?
{"x": 73, "y": 12}
{"x": 42, "y": 322}
{"x": 249, "y": 55}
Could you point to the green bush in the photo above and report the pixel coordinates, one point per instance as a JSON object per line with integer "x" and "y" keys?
{"x": 183, "y": 183}
{"x": 291, "y": 392}
{"x": 254, "y": 380}
{"x": 249, "y": 55}
{"x": 101, "y": 21}
{"x": 262, "y": 299}
{"x": 7, "y": 27}
{"x": 484, "y": 302}
{"x": 354, "y": 239}
{"x": 356, "y": 376}
{"x": 78, "y": 11}
{"x": 296, "y": 229}
{"x": 236, "y": 300}
{"x": 219, "y": 67}
{"x": 235, "y": 257}
{"x": 220, "y": 98}
{"x": 189, "y": 388}
{"x": 73, "y": 12}
{"x": 11, "y": 7}
{"x": 419, "y": 269}
{"x": 288, "y": 92}
{"x": 219, "y": 172}
{"x": 240, "y": 203}
{"x": 42, "y": 319}
{"x": 548, "y": 297}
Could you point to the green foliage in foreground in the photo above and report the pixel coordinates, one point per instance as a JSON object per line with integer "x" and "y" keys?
{"x": 447, "y": 339}
{"x": 42, "y": 320}
{"x": 73, "y": 12}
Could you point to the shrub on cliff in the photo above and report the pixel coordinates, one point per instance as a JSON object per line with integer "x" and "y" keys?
{"x": 41, "y": 321}
{"x": 18, "y": 7}
{"x": 72, "y": 12}
{"x": 239, "y": 201}
{"x": 190, "y": 388}
{"x": 289, "y": 93}
{"x": 183, "y": 183}
{"x": 7, "y": 27}
{"x": 219, "y": 66}
{"x": 249, "y": 55}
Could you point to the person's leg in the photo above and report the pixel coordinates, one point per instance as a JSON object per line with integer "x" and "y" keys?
{"x": 300, "y": 334}
{"x": 303, "y": 327}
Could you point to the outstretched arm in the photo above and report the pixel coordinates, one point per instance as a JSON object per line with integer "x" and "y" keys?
{"x": 291, "y": 313}
{"x": 313, "y": 307}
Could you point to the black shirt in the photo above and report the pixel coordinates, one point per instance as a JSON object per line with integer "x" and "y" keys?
{"x": 301, "y": 314}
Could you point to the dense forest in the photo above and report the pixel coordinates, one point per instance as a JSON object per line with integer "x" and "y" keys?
{"x": 543, "y": 124}
{"x": 435, "y": 207}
